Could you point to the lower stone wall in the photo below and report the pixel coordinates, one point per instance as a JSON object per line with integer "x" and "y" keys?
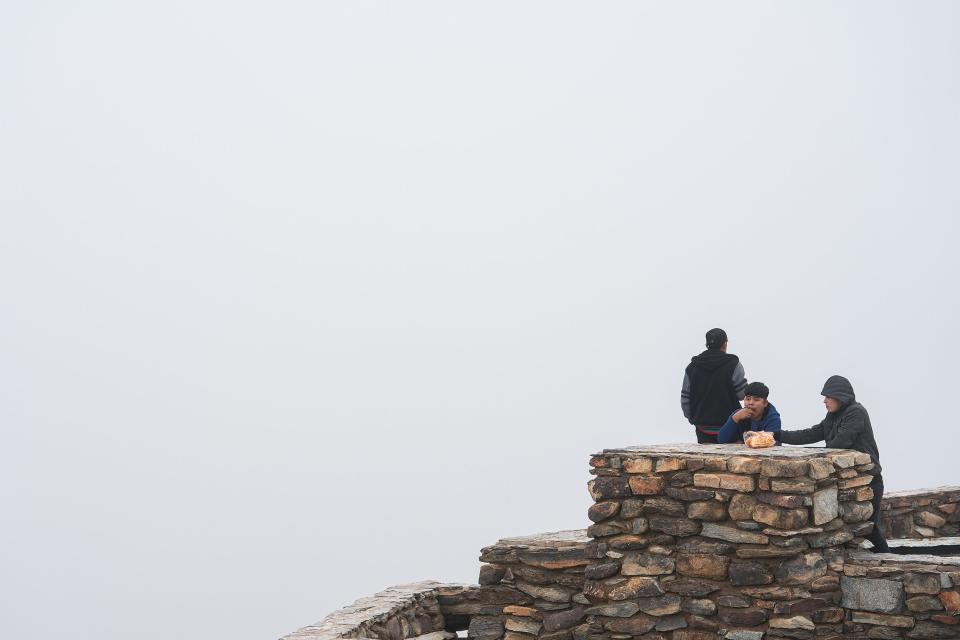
{"x": 928, "y": 513}
{"x": 400, "y": 612}
{"x": 888, "y": 597}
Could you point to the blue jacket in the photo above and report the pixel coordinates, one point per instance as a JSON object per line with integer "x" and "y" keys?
{"x": 733, "y": 432}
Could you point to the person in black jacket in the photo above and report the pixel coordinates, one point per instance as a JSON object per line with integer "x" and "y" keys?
{"x": 847, "y": 426}
{"x": 713, "y": 386}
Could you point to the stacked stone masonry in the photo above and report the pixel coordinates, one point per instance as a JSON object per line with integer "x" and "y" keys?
{"x": 700, "y": 542}
{"x": 930, "y": 513}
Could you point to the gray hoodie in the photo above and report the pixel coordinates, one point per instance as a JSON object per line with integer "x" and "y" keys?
{"x": 847, "y": 428}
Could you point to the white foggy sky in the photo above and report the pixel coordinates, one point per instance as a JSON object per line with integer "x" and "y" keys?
{"x": 301, "y": 300}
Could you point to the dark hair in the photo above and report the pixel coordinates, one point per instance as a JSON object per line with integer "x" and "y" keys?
{"x": 757, "y": 390}
{"x": 716, "y": 338}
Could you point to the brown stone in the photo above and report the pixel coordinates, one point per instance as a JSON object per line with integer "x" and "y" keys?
{"x": 546, "y": 592}
{"x": 638, "y": 465}
{"x": 646, "y": 564}
{"x": 743, "y": 464}
{"x": 669, "y": 464}
{"x": 882, "y": 619}
{"x": 788, "y": 501}
{"x": 825, "y": 583}
{"x": 523, "y": 625}
{"x": 690, "y": 634}
{"x": 942, "y": 619}
{"x": 631, "y": 508}
{"x": 780, "y": 518}
{"x": 708, "y": 510}
{"x": 741, "y": 506}
{"x": 564, "y": 619}
{"x": 699, "y": 606}
{"x": 491, "y": 574}
{"x": 777, "y": 468}
{"x": 844, "y": 460}
{"x": 929, "y": 519}
{"x": 609, "y": 487}
{"x": 627, "y": 542}
{"x": 828, "y": 615}
{"x": 606, "y": 529}
{"x": 795, "y": 622}
{"x": 690, "y": 587}
{"x": 924, "y": 603}
{"x": 647, "y": 485}
{"x": 603, "y": 510}
{"x": 601, "y": 570}
{"x": 950, "y": 601}
{"x": 916, "y": 582}
{"x": 820, "y": 468}
{"x": 859, "y": 481}
{"x": 633, "y": 587}
{"x": 856, "y": 511}
{"x": 749, "y": 617}
{"x": 636, "y": 625}
{"x": 749, "y": 573}
{"x": 793, "y": 485}
{"x": 674, "y": 526}
{"x": 724, "y": 481}
{"x": 599, "y": 462}
{"x": 705, "y": 545}
{"x": 702, "y": 566}
{"x": 801, "y": 569}
{"x": 665, "y": 506}
{"x": 769, "y": 551}
{"x": 664, "y": 605}
{"x": 688, "y": 494}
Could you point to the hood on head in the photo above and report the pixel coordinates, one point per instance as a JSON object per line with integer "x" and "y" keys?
{"x": 840, "y": 388}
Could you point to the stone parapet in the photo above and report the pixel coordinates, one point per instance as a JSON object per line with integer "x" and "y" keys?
{"x": 928, "y": 513}
{"x": 397, "y": 613}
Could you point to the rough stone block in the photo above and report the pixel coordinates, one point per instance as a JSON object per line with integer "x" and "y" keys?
{"x": 741, "y": 506}
{"x": 869, "y": 594}
{"x": 801, "y": 569}
{"x": 901, "y": 622}
{"x": 928, "y": 519}
{"x": 674, "y": 526}
{"x": 950, "y": 601}
{"x": 710, "y": 510}
{"x": 632, "y": 587}
{"x": 664, "y": 605}
{"x": 634, "y": 626}
{"x": 602, "y": 510}
{"x": 820, "y": 469}
{"x": 775, "y": 468}
{"x": 749, "y": 573}
{"x": 647, "y": 485}
{"x": 638, "y": 465}
{"x": 793, "y": 485}
{"x": 780, "y": 518}
{"x": 796, "y": 622}
{"x": 917, "y": 582}
{"x": 669, "y": 464}
{"x": 702, "y": 566}
{"x": 859, "y": 481}
{"x": 646, "y": 564}
{"x": 743, "y": 464}
{"x": 826, "y": 505}
{"x": 605, "y": 488}
{"x": 731, "y": 534}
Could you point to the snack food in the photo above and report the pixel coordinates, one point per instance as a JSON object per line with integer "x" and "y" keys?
{"x": 760, "y": 440}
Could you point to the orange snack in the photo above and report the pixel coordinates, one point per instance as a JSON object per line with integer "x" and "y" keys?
{"x": 761, "y": 440}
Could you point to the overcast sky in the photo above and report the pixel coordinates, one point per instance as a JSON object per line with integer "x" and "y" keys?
{"x": 300, "y": 300}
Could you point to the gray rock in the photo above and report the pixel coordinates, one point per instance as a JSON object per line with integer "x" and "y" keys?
{"x": 744, "y": 635}
{"x": 699, "y": 606}
{"x": 617, "y": 610}
{"x": 731, "y": 534}
{"x": 871, "y": 594}
{"x": 669, "y": 623}
{"x": 826, "y": 505}
{"x": 661, "y": 605}
{"x": 485, "y": 627}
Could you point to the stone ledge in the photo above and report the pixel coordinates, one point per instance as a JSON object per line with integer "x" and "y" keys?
{"x": 687, "y": 449}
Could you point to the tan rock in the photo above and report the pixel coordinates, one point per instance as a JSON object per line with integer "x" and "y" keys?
{"x": 702, "y": 565}
{"x": 777, "y": 468}
{"x": 638, "y": 465}
{"x": 647, "y": 485}
{"x": 844, "y": 460}
{"x": 859, "y": 481}
{"x": 669, "y": 464}
{"x": 743, "y": 464}
{"x": 796, "y": 622}
{"x": 820, "y": 468}
{"x": 741, "y": 506}
{"x": 882, "y": 619}
{"x": 707, "y": 510}
{"x": 780, "y": 518}
{"x": 929, "y": 519}
{"x": 950, "y": 601}
{"x": 793, "y": 485}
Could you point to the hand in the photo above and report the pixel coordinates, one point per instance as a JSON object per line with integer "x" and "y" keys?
{"x": 742, "y": 414}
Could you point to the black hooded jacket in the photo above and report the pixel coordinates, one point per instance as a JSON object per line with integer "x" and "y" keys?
{"x": 848, "y": 428}
{"x": 712, "y": 393}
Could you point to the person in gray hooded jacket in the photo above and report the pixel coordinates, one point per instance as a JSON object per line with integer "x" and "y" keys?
{"x": 846, "y": 426}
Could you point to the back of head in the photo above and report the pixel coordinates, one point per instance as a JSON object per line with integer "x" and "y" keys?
{"x": 840, "y": 388}
{"x": 716, "y": 338}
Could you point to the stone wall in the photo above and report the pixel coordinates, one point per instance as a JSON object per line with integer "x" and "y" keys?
{"x": 400, "y": 612}
{"x": 927, "y": 513}
{"x": 699, "y": 542}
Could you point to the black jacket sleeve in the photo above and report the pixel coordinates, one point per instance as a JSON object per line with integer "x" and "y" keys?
{"x": 801, "y": 436}
{"x": 852, "y": 424}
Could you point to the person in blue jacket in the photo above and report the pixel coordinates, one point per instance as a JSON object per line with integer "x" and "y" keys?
{"x": 757, "y": 415}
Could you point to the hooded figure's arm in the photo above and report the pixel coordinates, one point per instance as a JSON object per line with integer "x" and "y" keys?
{"x": 739, "y": 381}
{"x": 800, "y": 436}
{"x": 852, "y": 424}
{"x": 685, "y": 398}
